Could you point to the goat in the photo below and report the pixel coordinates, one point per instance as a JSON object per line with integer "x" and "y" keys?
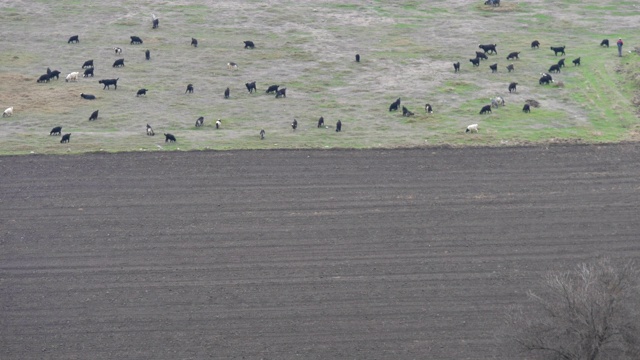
{"x": 155, "y": 23}
{"x": 72, "y": 76}
{"x": 559, "y": 49}
{"x": 262, "y": 133}
{"x": 605, "y": 42}
{"x": 428, "y": 108}
{"x": 489, "y": 48}
{"x": 485, "y": 109}
{"x": 117, "y": 50}
{"x": 554, "y": 68}
{"x": 147, "y": 54}
{"x": 472, "y": 128}
{"x": 150, "y": 130}
{"x": 545, "y": 79}
{"x": 88, "y": 64}
{"x": 357, "y": 57}
{"x": 576, "y": 61}
{"x": 481, "y": 55}
{"x": 87, "y": 96}
{"x": 135, "y": 40}
{"x": 108, "y": 82}
{"x": 54, "y": 73}
{"x": 142, "y": 92}
{"x": 227, "y": 93}
{"x": 497, "y": 101}
{"x": 73, "y": 39}
{"x": 65, "y": 138}
{"x": 526, "y": 108}
{"x": 493, "y": 3}
{"x": 272, "y": 88}
{"x": 294, "y": 124}
{"x": 56, "y": 131}
{"x": 510, "y": 67}
{"x": 199, "y": 121}
{"x": 456, "y": 66}
{"x": 249, "y": 45}
{"x": 232, "y": 66}
{"x": 118, "y": 63}
{"x": 394, "y": 105}
{"x": 94, "y": 115}
{"x": 281, "y": 93}
{"x": 43, "y": 78}
{"x": 8, "y": 112}
{"x": 406, "y": 112}
{"x": 88, "y": 72}
{"x": 321, "y": 122}
{"x": 512, "y": 86}
{"x": 561, "y": 62}
{"x": 251, "y": 87}
{"x": 189, "y": 89}
{"x": 194, "y": 42}
{"x": 494, "y": 67}
{"x": 218, "y": 124}
{"x": 535, "y": 44}
{"x": 169, "y": 137}
{"x": 513, "y": 55}
{"x": 339, "y": 126}
{"x": 475, "y": 62}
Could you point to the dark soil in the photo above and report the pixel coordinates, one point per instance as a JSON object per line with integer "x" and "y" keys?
{"x": 396, "y": 254}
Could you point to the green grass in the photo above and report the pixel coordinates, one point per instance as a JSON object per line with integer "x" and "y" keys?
{"x": 407, "y": 50}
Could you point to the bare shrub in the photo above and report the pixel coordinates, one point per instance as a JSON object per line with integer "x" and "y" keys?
{"x": 590, "y": 313}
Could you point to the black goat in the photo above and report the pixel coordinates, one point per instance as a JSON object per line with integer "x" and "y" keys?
{"x": 169, "y": 138}
{"x": 135, "y": 40}
{"x": 554, "y": 68}
{"x": 294, "y": 124}
{"x": 194, "y": 42}
{"x": 87, "y": 96}
{"x": 281, "y": 93}
{"x": 88, "y": 72}
{"x": 108, "y": 82}
{"x": 475, "y": 62}
{"x": 561, "y": 62}
{"x": 512, "y": 87}
{"x": 88, "y": 64}
{"x": 394, "y": 105}
{"x": 339, "y": 126}
{"x": 227, "y": 93}
{"x": 513, "y": 55}
{"x": 481, "y": 55}
{"x": 56, "y": 131}
{"x": 456, "y": 66}
{"x": 559, "y": 49}
{"x": 545, "y": 79}
{"x": 321, "y": 122}
{"x": 118, "y": 63}
{"x": 94, "y": 116}
{"x": 272, "y": 88}
{"x": 65, "y": 138}
{"x": 73, "y": 39}
{"x": 526, "y": 108}
{"x": 485, "y": 109}
{"x": 249, "y": 44}
{"x": 535, "y": 44}
{"x": 251, "y": 87}
{"x": 489, "y": 48}
{"x": 262, "y": 133}
{"x": 576, "y": 61}
{"x": 406, "y": 112}
{"x": 199, "y": 121}
{"x": 147, "y": 54}
{"x": 357, "y": 57}
{"x": 43, "y": 78}
{"x": 142, "y": 92}
{"x": 510, "y": 67}
{"x": 189, "y": 89}
{"x": 156, "y": 23}
{"x": 605, "y": 42}
{"x": 494, "y": 67}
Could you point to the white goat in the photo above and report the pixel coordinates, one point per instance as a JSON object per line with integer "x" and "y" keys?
{"x": 8, "y": 112}
{"x": 72, "y": 76}
{"x": 472, "y": 128}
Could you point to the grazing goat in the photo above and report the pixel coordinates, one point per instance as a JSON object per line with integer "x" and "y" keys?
{"x": 189, "y": 89}
{"x": 194, "y": 42}
{"x": 554, "y": 68}
{"x": 227, "y": 93}
{"x": 87, "y": 96}
{"x": 510, "y": 67}
{"x": 232, "y": 66}
{"x": 65, "y": 138}
{"x": 88, "y": 72}
{"x": 339, "y": 126}
{"x": 605, "y": 42}
{"x": 150, "y": 131}
{"x": 475, "y": 62}
{"x": 88, "y": 64}
{"x": 513, "y": 55}
{"x": 576, "y": 61}
{"x": 262, "y": 133}
{"x": 512, "y": 87}
{"x": 199, "y": 121}
{"x": 485, "y": 109}
{"x": 406, "y": 112}
{"x": 147, "y": 54}
{"x": 251, "y": 87}
{"x": 72, "y": 76}
{"x": 218, "y": 124}
{"x": 142, "y": 92}
{"x": 561, "y": 62}
{"x": 135, "y": 40}
{"x": 272, "y": 88}
{"x": 456, "y": 66}
{"x": 73, "y": 39}
{"x": 321, "y": 122}
{"x": 169, "y": 137}
{"x": 294, "y": 124}
{"x": 94, "y": 115}
{"x": 357, "y": 57}
{"x": 428, "y": 108}
{"x": 54, "y": 73}
{"x": 489, "y": 48}
{"x": 526, "y": 108}
{"x": 535, "y": 44}
{"x": 559, "y": 49}
{"x": 108, "y": 82}
{"x": 497, "y": 101}
{"x": 481, "y": 55}
{"x": 394, "y": 105}
{"x": 43, "y": 78}
{"x": 472, "y": 128}
{"x": 545, "y": 79}
{"x": 117, "y": 50}
{"x": 249, "y": 44}
{"x": 118, "y": 63}
{"x": 8, "y": 112}
{"x": 281, "y": 93}
{"x": 56, "y": 131}
{"x": 494, "y": 67}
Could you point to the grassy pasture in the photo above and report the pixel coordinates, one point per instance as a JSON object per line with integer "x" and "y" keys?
{"x": 407, "y": 50}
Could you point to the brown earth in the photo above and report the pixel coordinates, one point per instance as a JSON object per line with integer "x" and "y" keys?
{"x": 383, "y": 254}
